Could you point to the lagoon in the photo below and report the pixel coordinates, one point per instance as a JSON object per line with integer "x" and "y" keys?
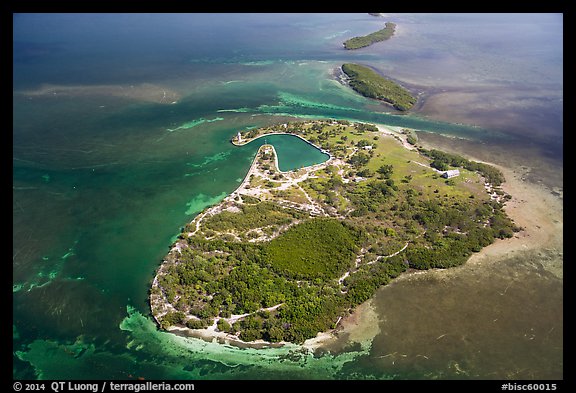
{"x": 292, "y": 151}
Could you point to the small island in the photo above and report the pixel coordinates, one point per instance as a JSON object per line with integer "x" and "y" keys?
{"x": 288, "y": 254}
{"x": 370, "y": 84}
{"x": 367, "y": 40}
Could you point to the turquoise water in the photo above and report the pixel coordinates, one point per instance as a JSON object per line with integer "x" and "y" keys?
{"x": 106, "y": 172}
{"x": 293, "y": 152}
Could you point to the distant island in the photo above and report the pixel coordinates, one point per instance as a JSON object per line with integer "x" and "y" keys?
{"x": 370, "y": 84}
{"x": 288, "y": 254}
{"x": 367, "y": 40}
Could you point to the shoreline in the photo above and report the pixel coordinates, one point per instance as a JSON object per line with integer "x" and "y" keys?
{"x": 542, "y": 227}
{"x": 533, "y": 206}
{"x": 211, "y": 333}
{"x": 245, "y": 142}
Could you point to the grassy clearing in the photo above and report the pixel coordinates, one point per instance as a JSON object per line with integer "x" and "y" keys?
{"x": 291, "y": 194}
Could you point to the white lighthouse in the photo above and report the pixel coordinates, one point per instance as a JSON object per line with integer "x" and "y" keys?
{"x": 239, "y": 137}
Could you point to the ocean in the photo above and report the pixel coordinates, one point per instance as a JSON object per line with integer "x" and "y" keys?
{"x": 121, "y": 135}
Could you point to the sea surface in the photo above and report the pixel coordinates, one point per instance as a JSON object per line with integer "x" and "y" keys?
{"x": 121, "y": 135}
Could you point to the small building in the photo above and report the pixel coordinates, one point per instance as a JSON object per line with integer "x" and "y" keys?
{"x": 451, "y": 173}
{"x": 368, "y": 147}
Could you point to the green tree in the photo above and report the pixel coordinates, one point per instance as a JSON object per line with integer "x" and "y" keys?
{"x": 223, "y": 325}
{"x": 386, "y": 170}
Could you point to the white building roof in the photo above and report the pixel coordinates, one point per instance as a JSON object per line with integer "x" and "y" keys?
{"x": 451, "y": 173}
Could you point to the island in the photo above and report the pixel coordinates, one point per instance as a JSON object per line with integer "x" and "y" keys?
{"x": 288, "y": 254}
{"x": 370, "y": 84}
{"x": 367, "y": 40}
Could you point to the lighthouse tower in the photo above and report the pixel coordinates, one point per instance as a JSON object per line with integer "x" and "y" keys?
{"x": 239, "y": 137}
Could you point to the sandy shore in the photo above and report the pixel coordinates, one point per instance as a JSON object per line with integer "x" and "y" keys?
{"x": 537, "y": 208}
{"x": 359, "y": 327}
{"x": 539, "y": 212}
{"x": 533, "y": 207}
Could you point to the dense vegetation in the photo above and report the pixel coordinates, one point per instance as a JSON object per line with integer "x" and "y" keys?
{"x": 372, "y": 85}
{"x": 385, "y": 215}
{"x": 367, "y": 40}
{"x": 315, "y": 249}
